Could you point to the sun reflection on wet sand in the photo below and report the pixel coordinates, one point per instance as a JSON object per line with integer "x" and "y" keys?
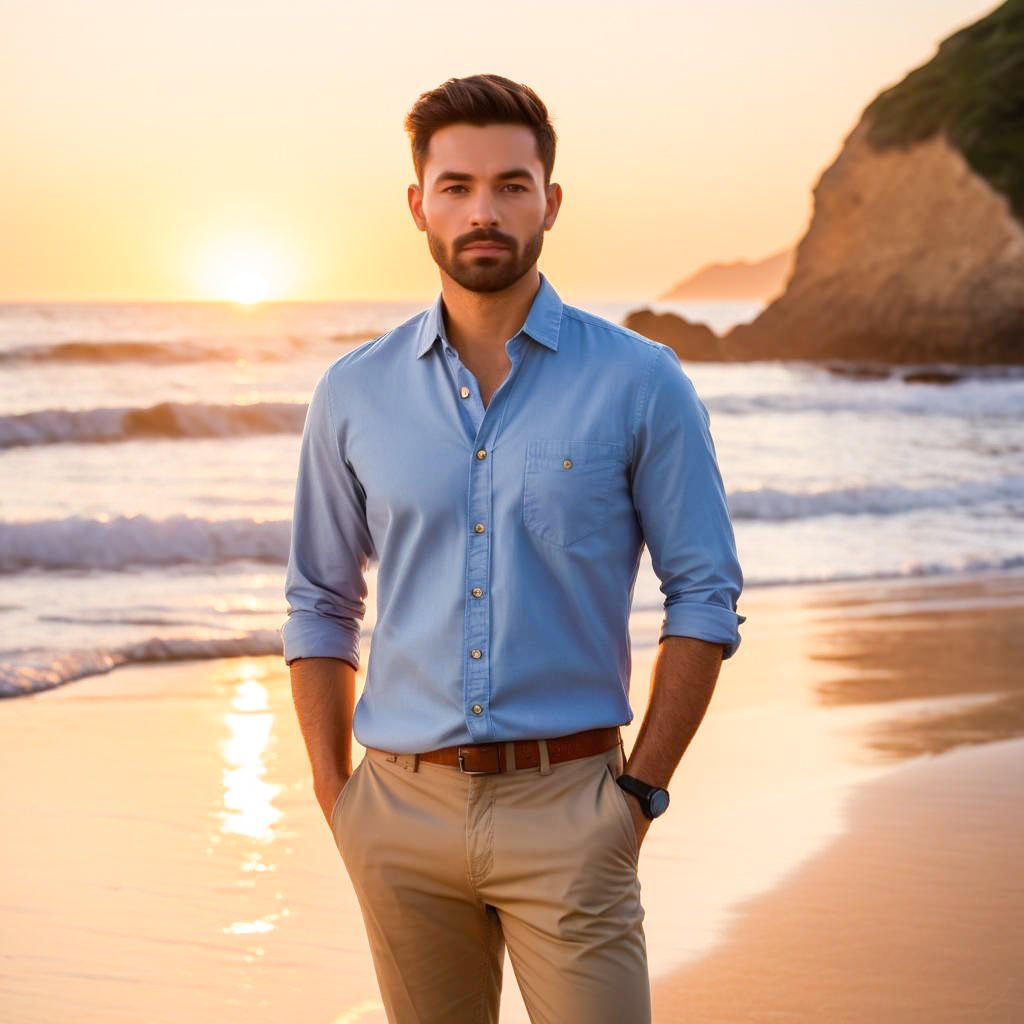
{"x": 248, "y": 813}
{"x": 248, "y": 809}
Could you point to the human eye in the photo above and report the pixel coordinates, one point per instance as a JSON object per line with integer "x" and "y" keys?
{"x": 513, "y": 185}
{"x": 450, "y": 187}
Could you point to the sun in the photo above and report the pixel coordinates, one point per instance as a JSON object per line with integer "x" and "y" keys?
{"x": 246, "y": 270}
{"x": 247, "y": 287}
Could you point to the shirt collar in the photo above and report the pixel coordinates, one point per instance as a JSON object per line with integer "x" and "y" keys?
{"x": 542, "y": 323}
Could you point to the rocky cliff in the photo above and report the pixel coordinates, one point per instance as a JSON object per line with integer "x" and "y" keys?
{"x": 915, "y": 251}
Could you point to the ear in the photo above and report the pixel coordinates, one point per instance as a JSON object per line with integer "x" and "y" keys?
{"x": 552, "y": 205}
{"x": 415, "y": 196}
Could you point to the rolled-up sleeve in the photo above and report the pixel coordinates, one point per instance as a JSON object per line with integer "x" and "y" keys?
{"x": 681, "y": 506}
{"x": 325, "y": 585}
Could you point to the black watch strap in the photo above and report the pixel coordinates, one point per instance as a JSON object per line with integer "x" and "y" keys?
{"x": 653, "y": 799}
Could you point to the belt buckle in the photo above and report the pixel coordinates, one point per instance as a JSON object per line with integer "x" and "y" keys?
{"x": 486, "y": 771}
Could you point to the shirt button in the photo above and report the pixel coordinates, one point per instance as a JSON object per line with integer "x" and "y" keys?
{"x": 476, "y": 653}
{"x": 479, "y": 527}
{"x": 464, "y": 391}
{"x": 476, "y": 592}
{"x": 477, "y": 709}
{"x": 482, "y": 454}
{"x": 567, "y": 463}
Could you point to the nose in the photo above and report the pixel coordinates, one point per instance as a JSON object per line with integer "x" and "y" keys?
{"x": 483, "y": 211}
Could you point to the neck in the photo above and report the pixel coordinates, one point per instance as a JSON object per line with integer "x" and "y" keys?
{"x": 479, "y": 323}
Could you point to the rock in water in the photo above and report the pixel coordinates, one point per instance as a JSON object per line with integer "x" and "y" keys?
{"x": 696, "y": 342}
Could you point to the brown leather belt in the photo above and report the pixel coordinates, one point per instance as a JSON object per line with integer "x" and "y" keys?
{"x": 489, "y": 758}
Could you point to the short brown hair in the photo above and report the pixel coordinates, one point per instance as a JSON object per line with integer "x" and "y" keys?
{"x": 480, "y": 100}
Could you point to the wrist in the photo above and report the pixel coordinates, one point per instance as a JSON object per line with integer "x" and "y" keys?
{"x": 653, "y": 800}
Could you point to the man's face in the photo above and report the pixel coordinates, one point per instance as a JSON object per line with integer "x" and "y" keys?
{"x": 484, "y": 184}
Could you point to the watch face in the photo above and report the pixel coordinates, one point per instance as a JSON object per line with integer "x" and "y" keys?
{"x": 659, "y": 802}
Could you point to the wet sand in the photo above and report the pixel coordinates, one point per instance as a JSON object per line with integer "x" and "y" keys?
{"x": 846, "y": 818}
{"x": 916, "y": 914}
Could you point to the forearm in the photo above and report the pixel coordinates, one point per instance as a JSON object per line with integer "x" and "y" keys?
{"x": 683, "y": 680}
{"x": 323, "y": 690}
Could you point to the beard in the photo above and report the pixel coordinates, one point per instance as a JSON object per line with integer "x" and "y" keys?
{"x": 479, "y": 273}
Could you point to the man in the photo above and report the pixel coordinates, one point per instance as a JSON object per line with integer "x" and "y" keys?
{"x": 505, "y": 457}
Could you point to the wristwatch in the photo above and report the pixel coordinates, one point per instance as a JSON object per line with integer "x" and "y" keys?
{"x": 653, "y": 799}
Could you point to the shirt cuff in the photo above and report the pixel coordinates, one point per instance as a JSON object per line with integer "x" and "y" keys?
{"x": 711, "y": 622}
{"x": 308, "y": 635}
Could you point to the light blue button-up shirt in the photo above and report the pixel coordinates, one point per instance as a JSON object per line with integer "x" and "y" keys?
{"x": 508, "y": 536}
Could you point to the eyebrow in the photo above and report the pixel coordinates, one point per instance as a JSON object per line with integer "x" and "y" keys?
{"x": 515, "y": 172}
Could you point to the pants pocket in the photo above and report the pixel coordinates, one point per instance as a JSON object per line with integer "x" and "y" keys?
{"x": 621, "y": 799}
{"x": 340, "y": 799}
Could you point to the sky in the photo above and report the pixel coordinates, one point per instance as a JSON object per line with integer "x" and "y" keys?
{"x": 213, "y": 149}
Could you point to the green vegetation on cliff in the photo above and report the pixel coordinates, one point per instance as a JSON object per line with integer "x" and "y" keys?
{"x": 973, "y": 90}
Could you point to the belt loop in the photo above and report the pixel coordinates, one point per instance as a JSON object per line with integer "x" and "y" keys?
{"x": 545, "y": 761}
{"x": 510, "y": 756}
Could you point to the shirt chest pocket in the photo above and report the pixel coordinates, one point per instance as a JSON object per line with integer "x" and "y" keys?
{"x": 568, "y": 487}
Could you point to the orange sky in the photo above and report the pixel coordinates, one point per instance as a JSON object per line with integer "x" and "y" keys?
{"x": 205, "y": 148}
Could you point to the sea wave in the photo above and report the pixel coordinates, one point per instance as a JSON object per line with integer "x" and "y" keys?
{"x": 770, "y": 503}
{"x": 138, "y": 351}
{"x": 29, "y": 671}
{"x": 262, "y": 349}
{"x": 121, "y": 542}
{"x": 999, "y": 399}
{"x": 127, "y": 541}
{"x": 907, "y": 570}
{"x": 966, "y": 565}
{"x": 24, "y": 672}
{"x": 165, "y": 420}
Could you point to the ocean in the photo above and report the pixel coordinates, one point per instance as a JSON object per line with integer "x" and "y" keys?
{"x": 148, "y": 455}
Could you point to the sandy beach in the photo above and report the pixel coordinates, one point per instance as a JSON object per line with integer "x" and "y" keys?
{"x": 841, "y": 845}
{"x": 913, "y": 915}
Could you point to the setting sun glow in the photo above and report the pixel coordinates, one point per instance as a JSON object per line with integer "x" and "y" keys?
{"x": 243, "y": 271}
{"x": 247, "y": 286}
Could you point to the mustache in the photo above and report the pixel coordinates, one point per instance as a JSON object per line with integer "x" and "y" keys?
{"x": 476, "y": 239}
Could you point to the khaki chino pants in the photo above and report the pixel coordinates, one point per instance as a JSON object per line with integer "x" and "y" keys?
{"x": 451, "y": 868}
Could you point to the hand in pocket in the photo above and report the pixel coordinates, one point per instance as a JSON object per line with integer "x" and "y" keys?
{"x": 329, "y": 799}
